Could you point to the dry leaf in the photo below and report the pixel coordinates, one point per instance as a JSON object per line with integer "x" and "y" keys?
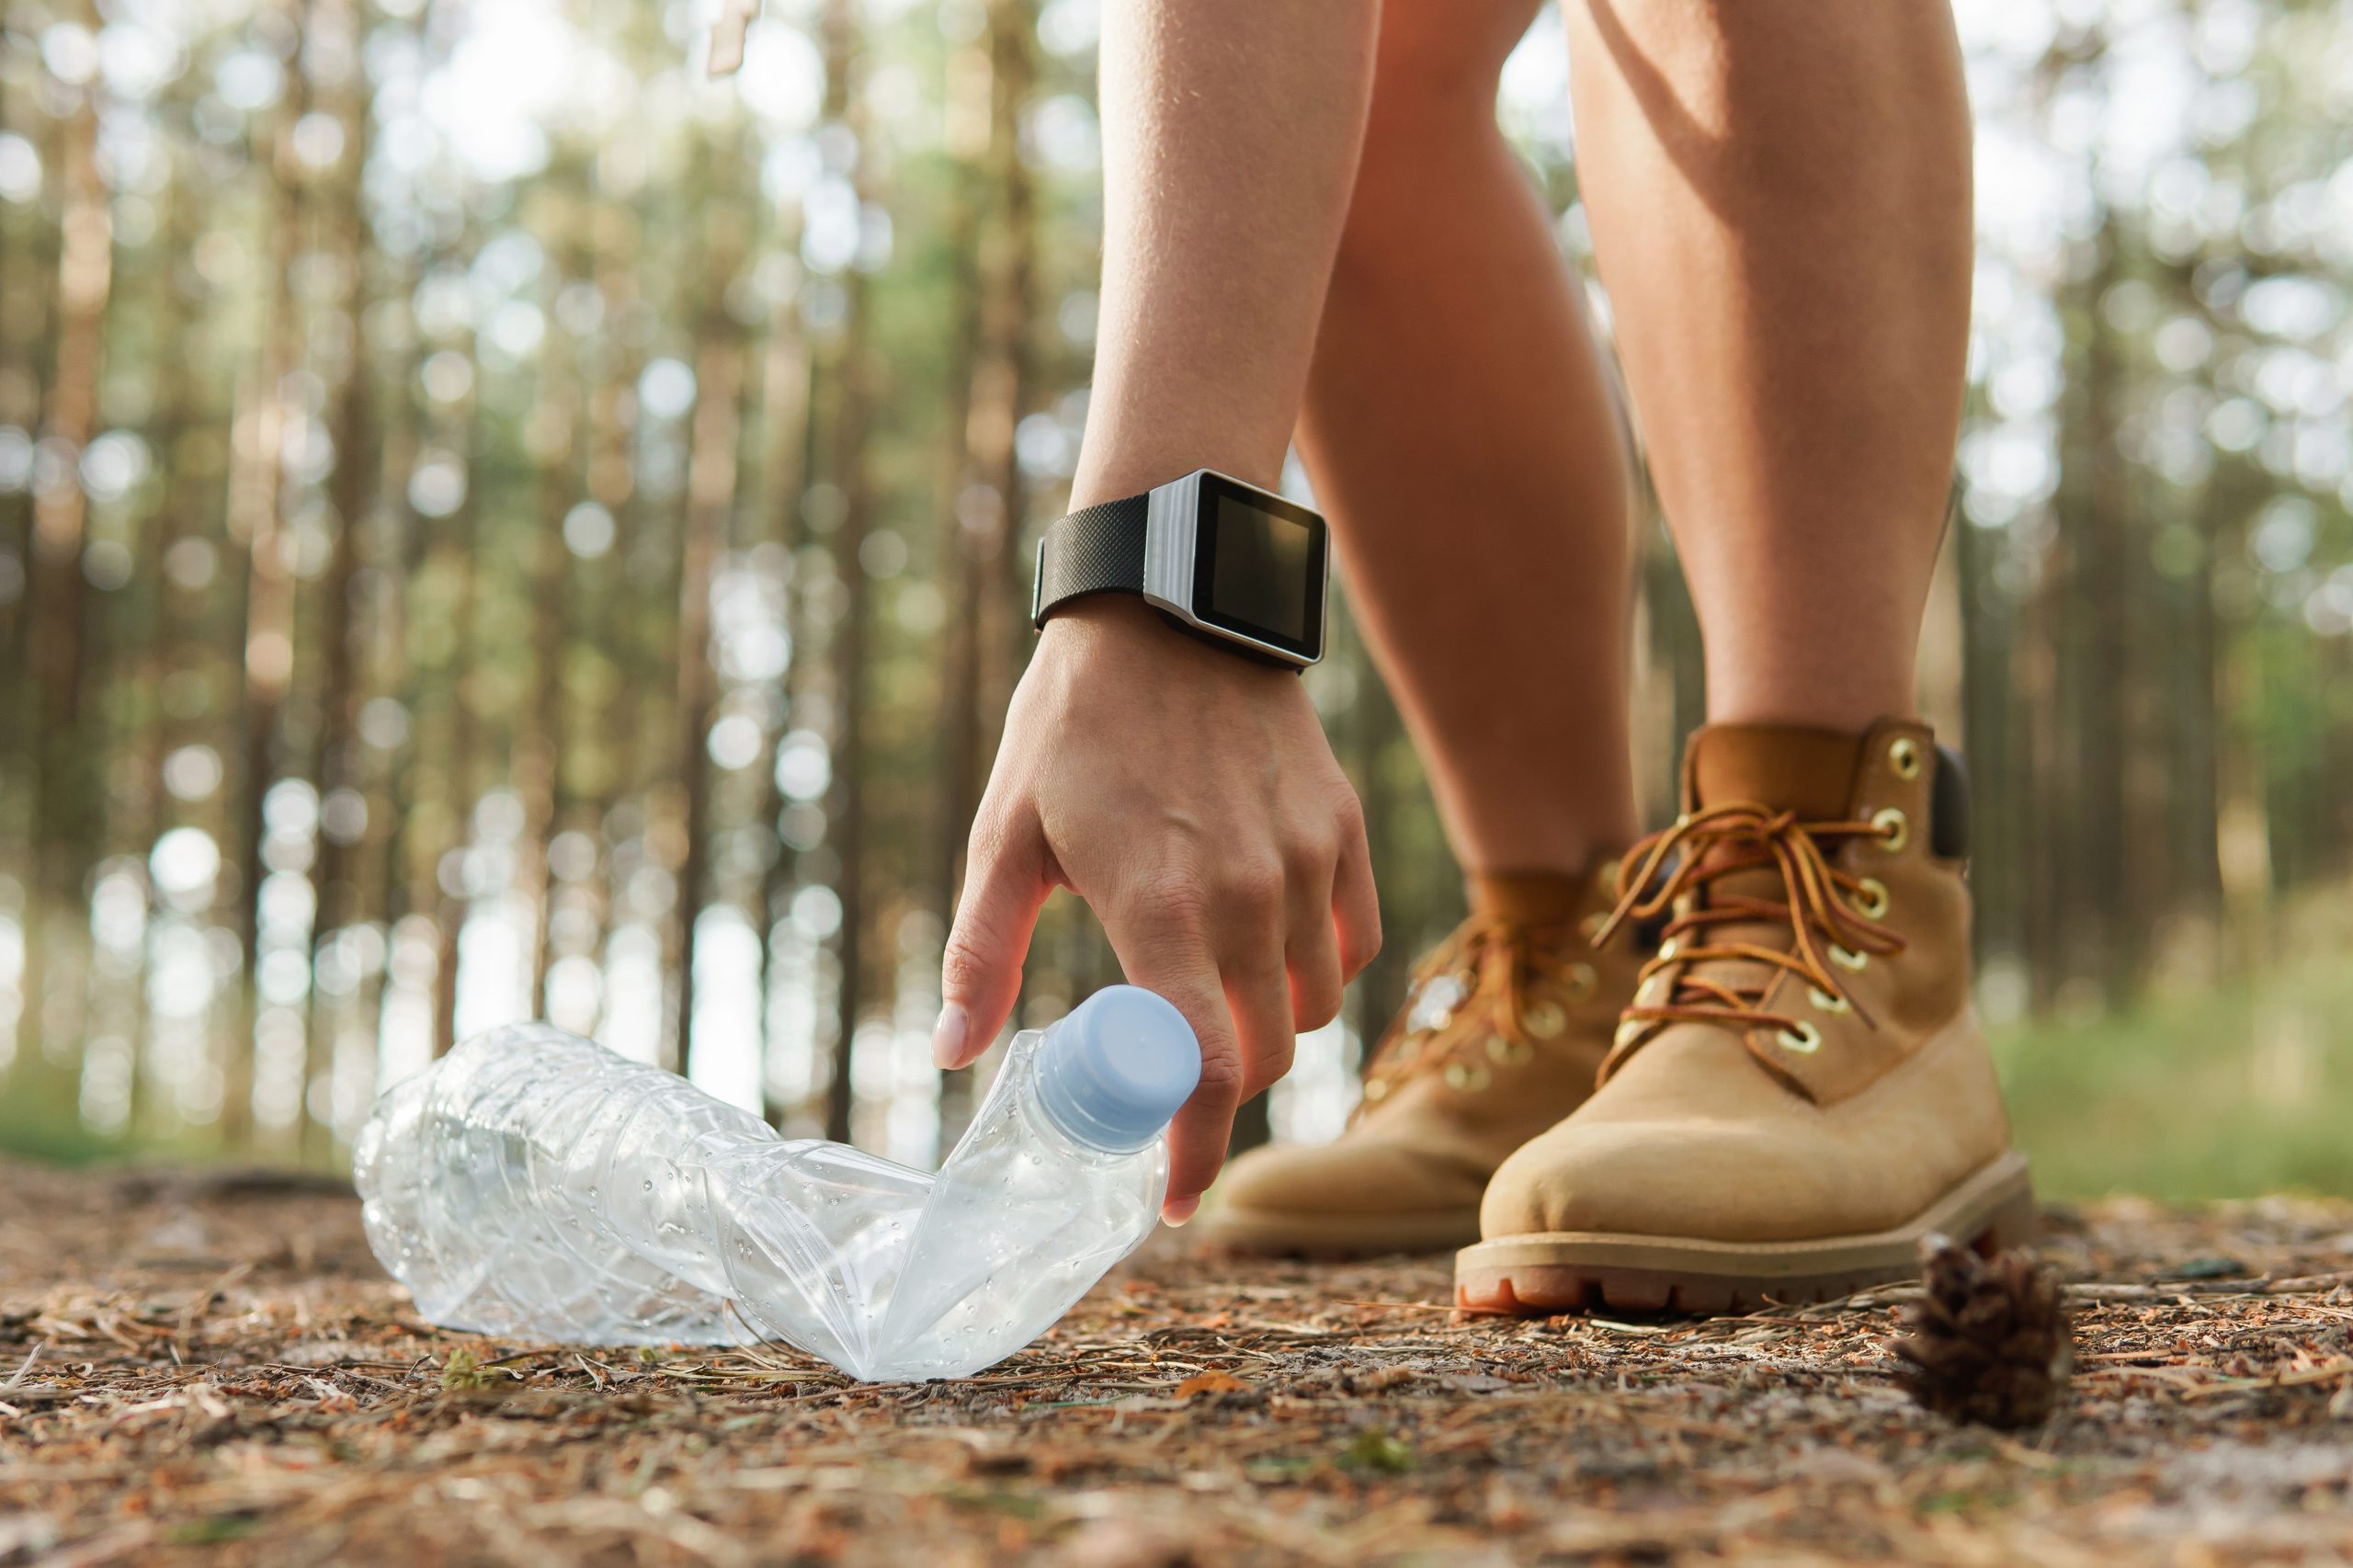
{"x": 1201, "y": 1383}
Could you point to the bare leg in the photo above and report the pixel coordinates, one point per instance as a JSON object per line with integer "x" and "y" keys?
{"x": 1779, "y": 192}
{"x": 1460, "y": 434}
{"x": 1780, "y": 199}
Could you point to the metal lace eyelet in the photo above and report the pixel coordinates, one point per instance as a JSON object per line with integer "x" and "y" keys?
{"x": 1470, "y": 1080}
{"x": 1376, "y": 1088}
{"x": 1545, "y": 1020}
{"x": 1871, "y": 898}
{"x": 1582, "y": 981}
{"x": 1894, "y": 829}
{"x": 1846, "y": 959}
{"x": 1834, "y": 1005}
{"x": 1592, "y": 924}
{"x": 1610, "y": 871}
{"x": 1805, "y": 1040}
{"x": 1904, "y": 755}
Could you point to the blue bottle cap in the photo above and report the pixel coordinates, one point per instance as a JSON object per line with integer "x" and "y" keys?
{"x": 1117, "y": 1067}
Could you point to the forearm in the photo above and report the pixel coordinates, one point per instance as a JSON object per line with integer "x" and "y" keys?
{"x": 1205, "y": 823}
{"x": 1231, "y": 129}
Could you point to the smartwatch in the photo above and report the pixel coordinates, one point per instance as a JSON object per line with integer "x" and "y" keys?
{"x": 1222, "y": 559}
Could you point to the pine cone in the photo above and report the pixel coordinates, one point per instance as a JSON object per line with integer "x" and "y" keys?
{"x": 1992, "y": 1342}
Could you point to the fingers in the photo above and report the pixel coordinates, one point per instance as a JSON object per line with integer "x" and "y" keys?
{"x": 979, "y": 972}
{"x": 1259, "y": 995}
{"x": 1356, "y": 907}
{"x": 1252, "y": 895}
{"x": 1311, "y": 942}
{"x": 1263, "y": 1010}
{"x": 1311, "y": 955}
{"x": 1166, "y": 948}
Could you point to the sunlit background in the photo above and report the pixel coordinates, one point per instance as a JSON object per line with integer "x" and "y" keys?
{"x": 494, "y": 523}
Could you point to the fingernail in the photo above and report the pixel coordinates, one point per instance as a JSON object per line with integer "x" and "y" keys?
{"x": 948, "y": 1037}
{"x": 1179, "y": 1209}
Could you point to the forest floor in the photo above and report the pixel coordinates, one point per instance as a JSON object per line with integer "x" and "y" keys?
{"x": 210, "y": 1368}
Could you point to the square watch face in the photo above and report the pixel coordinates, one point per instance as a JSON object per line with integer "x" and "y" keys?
{"x": 1259, "y": 567}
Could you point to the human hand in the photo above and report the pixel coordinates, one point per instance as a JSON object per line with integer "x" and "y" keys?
{"x": 1191, "y": 799}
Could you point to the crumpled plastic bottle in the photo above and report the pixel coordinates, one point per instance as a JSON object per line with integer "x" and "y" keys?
{"x": 533, "y": 1184}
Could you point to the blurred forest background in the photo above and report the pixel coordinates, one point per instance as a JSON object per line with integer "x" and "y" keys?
{"x": 495, "y": 523}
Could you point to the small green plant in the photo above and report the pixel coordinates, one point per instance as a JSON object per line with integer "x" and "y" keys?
{"x": 1377, "y": 1450}
{"x": 462, "y": 1371}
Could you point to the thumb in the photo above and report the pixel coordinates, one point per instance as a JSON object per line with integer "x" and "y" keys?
{"x": 979, "y": 972}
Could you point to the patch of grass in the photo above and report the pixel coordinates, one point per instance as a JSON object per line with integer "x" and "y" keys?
{"x": 2229, "y": 1092}
{"x": 1377, "y": 1450}
{"x": 38, "y": 1117}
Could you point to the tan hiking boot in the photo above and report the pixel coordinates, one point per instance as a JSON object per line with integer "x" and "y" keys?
{"x": 1798, "y": 1092}
{"x": 1499, "y": 1038}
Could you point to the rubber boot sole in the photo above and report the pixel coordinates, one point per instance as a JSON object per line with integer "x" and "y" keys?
{"x": 1335, "y": 1238}
{"x": 1566, "y": 1271}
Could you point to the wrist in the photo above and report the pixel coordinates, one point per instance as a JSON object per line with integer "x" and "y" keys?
{"x": 1098, "y": 616}
{"x": 1117, "y": 624}
{"x": 1106, "y": 474}
{"x": 1224, "y": 560}
{"x": 1124, "y": 634}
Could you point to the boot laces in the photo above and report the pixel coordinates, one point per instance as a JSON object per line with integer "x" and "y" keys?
{"x": 1487, "y": 971}
{"x": 1817, "y": 905}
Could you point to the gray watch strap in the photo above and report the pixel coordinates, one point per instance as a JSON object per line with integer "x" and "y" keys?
{"x": 1096, "y": 550}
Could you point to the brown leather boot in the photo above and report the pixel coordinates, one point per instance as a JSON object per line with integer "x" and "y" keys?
{"x": 1798, "y": 1092}
{"x": 1499, "y": 1038}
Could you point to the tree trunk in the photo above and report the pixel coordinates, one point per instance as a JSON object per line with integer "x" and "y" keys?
{"x": 847, "y": 461}
{"x": 540, "y": 743}
{"x": 983, "y": 516}
{"x": 786, "y": 395}
{"x": 254, "y": 521}
{"x": 353, "y": 490}
{"x": 460, "y": 530}
{"x": 67, "y": 791}
{"x": 710, "y": 501}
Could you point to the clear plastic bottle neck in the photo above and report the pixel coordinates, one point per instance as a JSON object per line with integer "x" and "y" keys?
{"x": 1038, "y": 1118}
{"x": 1113, "y": 1070}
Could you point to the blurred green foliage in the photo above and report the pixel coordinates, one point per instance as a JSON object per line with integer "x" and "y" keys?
{"x": 2225, "y": 1092}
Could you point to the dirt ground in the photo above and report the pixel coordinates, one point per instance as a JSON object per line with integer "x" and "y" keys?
{"x": 211, "y": 1368}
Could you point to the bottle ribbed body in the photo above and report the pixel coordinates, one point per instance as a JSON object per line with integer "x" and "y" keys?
{"x": 533, "y": 1183}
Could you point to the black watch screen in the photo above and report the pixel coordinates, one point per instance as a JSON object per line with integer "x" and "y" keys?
{"x": 1258, "y": 566}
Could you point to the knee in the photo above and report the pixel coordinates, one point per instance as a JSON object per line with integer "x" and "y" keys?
{"x": 1439, "y": 61}
{"x": 1433, "y": 105}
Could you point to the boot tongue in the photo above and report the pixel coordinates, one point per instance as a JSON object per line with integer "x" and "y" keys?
{"x": 1783, "y": 768}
